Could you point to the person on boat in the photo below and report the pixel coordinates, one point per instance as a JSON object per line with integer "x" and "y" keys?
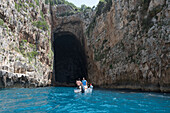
{"x": 91, "y": 86}
{"x": 78, "y": 82}
{"x": 84, "y": 82}
{"x": 83, "y": 85}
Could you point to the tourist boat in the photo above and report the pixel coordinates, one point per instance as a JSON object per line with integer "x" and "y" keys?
{"x": 87, "y": 90}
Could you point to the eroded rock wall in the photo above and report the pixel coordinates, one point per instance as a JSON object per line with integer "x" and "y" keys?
{"x": 74, "y": 24}
{"x": 129, "y": 46}
{"x": 25, "y": 43}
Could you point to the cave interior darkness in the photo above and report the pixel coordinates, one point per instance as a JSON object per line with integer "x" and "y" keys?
{"x": 69, "y": 59}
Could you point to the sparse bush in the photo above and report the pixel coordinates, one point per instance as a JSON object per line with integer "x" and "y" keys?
{"x": 37, "y": 2}
{"x": 103, "y": 6}
{"x": 99, "y": 8}
{"x": 32, "y": 46}
{"x": 1, "y": 22}
{"x": 41, "y": 25}
{"x": 46, "y": 1}
{"x": 31, "y": 5}
{"x": 21, "y": 47}
{"x": 18, "y": 6}
{"x": 25, "y": 41}
{"x": 32, "y": 55}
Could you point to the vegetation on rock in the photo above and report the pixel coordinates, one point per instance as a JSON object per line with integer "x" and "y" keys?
{"x": 1, "y": 22}
{"x": 76, "y": 9}
{"x": 102, "y": 7}
{"x": 41, "y": 25}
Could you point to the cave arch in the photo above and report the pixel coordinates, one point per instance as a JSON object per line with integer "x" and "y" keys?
{"x": 69, "y": 59}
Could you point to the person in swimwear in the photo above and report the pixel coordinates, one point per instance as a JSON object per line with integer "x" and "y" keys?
{"x": 78, "y": 82}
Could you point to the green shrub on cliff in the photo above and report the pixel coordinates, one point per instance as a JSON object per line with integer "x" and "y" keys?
{"x": 70, "y": 4}
{"x": 31, "y": 5}
{"x": 50, "y": 54}
{"x": 25, "y": 41}
{"x": 46, "y": 1}
{"x": 100, "y": 7}
{"x": 41, "y": 25}
{"x": 42, "y": 16}
{"x": 57, "y": 2}
{"x": 18, "y": 6}
{"x": 32, "y": 46}
{"x": 37, "y": 2}
{"x": 32, "y": 55}
{"x": 103, "y": 6}
{"x": 99, "y": 56}
{"x": 1, "y": 22}
{"x": 84, "y": 8}
{"x": 41, "y": 13}
{"x": 22, "y": 47}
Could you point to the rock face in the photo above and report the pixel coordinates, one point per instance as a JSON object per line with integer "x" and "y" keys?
{"x": 25, "y": 44}
{"x": 129, "y": 46}
{"x": 68, "y": 26}
{"x": 126, "y": 42}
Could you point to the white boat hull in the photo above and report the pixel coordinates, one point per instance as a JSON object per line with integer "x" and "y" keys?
{"x": 88, "y": 90}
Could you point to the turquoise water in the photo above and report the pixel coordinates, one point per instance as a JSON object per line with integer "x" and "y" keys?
{"x": 64, "y": 100}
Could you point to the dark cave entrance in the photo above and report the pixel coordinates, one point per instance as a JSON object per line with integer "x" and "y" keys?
{"x": 69, "y": 59}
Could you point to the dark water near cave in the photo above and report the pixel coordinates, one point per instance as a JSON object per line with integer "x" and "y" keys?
{"x": 64, "y": 100}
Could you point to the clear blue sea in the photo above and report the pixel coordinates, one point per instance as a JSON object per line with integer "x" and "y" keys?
{"x": 64, "y": 100}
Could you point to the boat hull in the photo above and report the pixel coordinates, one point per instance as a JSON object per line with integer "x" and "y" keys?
{"x": 88, "y": 90}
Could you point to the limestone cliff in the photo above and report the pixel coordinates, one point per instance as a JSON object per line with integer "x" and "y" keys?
{"x": 25, "y": 43}
{"x": 129, "y": 45}
{"x": 126, "y": 42}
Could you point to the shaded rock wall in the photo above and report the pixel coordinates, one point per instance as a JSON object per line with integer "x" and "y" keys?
{"x": 69, "y": 60}
{"x": 129, "y": 46}
{"x": 72, "y": 25}
{"x": 25, "y": 48}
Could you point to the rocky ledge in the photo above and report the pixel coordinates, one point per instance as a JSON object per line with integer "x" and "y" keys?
{"x": 22, "y": 76}
{"x": 9, "y": 80}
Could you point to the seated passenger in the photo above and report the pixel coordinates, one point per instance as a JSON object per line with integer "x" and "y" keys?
{"x": 78, "y": 82}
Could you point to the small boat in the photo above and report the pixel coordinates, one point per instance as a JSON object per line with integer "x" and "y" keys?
{"x": 77, "y": 90}
{"x": 86, "y": 90}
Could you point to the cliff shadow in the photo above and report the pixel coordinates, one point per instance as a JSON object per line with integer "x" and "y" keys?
{"x": 69, "y": 59}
